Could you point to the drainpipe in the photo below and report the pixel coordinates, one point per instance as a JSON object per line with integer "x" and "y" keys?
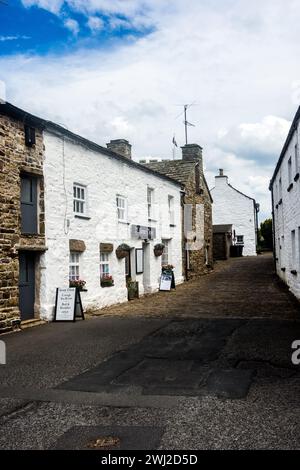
{"x": 273, "y": 228}
{"x": 183, "y": 236}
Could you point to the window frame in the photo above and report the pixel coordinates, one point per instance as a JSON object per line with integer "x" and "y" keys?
{"x": 171, "y": 212}
{"x": 240, "y": 242}
{"x": 74, "y": 264}
{"x": 150, "y": 202}
{"x": 104, "y": 262}
{"x": 166, "y": 252}
{"x": 290, "y": 170}
{"x": 119, "y": 197}
{"x": 79, "y": 200}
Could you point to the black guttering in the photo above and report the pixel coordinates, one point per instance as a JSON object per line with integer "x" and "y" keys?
{"x": 285, "y": 147}
{"x": 10, "y": 110}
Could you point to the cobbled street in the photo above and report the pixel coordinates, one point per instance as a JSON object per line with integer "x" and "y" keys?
{"x": 206, "y": 366}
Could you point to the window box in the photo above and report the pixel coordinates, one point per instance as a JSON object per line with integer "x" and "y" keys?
{"x": 78, "y": 283}
{"x": 107, "y": 281}
{"x": 297, "y": 177}
{"x": 84, "y": 217}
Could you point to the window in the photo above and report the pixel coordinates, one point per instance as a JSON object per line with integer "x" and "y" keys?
{"x": 290, "y": 170}
{"x": 293, "y": 241}
{"x": 150, "y": 201}
{"x": 121, "y": 208}
{"x": 240, "y": 240}
{"x": 29, "y": 136}
{"x": 165, "y": 255}
{"x": 299, "y": 248}
{"x": 79, "y": 199}
{"x": 296, "y": 159}
{"x": 171, "y": 209}
{"x": 104, "y": 264}
{"x": 280, "y": 188}
{"x": 29, "y": 222}
{"x": 74, "y": 266}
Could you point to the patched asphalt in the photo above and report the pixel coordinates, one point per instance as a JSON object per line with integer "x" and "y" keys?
{"x": 191, "y": 375}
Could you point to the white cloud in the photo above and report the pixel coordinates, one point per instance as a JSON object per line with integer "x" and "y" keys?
{"x": 13, "y": 38}
{"x": 260, "y": 140}
{"x": 72, "y": 25}
{"x": 95, "y": 23}
{"x": 53, "y": 6}
{"x": 223, "y": 55}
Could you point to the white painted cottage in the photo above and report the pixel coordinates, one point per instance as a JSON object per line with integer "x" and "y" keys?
{"x": 285, "y": 188}
{"x": 232, "y": 207}
{"x": 98, "y": 200}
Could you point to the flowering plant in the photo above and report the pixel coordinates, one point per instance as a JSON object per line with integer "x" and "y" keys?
{"x": 168, "y": 267}
{"x": 78, "y": 283}
{"x": 106, "y": 280}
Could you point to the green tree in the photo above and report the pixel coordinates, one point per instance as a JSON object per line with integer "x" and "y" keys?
{"x": 266, "y": 234}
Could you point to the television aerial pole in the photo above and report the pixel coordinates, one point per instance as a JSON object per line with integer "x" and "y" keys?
{"x": 186, "y": 122}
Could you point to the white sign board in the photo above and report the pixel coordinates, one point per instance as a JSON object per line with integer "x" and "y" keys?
{"x": 65, "y": 304}
{"x": 165, "y": 282}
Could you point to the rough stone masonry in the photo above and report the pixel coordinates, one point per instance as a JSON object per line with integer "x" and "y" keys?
{"x": 16, "y": 158}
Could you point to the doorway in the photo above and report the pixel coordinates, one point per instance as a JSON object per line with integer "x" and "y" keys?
{"x": 26, "y": 285}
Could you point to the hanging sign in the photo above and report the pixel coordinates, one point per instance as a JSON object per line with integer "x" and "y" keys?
{"x": 68, "y": 305}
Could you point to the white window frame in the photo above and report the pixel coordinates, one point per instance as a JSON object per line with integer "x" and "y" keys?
{"x": 121, "y": 208}
{"x": 171, "y": 209}
{"x": 104, "y": 263}
{"x": 150, "y": 202}
{"x": 293, "y": 248}
{"x": 165, "y": 258}
{"x": 240, "y": 242}
{"x": 290, "y": 170}
{"x": 79, "y": 200}
{"x": 74, "y": 265}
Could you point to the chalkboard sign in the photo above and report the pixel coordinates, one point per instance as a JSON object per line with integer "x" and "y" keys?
{"x": 68, "y": 305}
{"x": 165, "y": 281}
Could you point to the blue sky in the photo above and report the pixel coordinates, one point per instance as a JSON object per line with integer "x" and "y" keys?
{"x": 35, "y": 30}
{"x": 119, "y": 69}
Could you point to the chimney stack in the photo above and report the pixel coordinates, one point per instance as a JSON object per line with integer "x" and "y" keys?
{"x": 221, "y": 178}
{"x": 120, "y": 146}
{"x": 193, "y": 153}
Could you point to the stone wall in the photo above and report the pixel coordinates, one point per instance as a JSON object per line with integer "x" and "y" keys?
{"x": 198, "y": 264}
{"x": 15, "y": 158}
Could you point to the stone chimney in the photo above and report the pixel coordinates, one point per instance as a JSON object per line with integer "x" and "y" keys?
{"x": 120, "y": 146}
{"x": 221, "y": 179}
{"x": 193, "y": 153}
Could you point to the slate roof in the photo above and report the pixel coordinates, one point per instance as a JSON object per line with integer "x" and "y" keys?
{"x": 10, "y": 110}
{"x": 179, "y": 170}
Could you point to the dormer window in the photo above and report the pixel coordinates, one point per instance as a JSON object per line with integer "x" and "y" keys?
{"x": 29, "y": 136}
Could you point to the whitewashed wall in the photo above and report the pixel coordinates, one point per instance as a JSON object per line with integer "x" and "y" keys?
{"x": 287, "y": 219}
{"x": 105, "y": 177}
{"x": 232, "y": 207}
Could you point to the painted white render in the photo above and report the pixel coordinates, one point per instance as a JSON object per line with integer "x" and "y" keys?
{"x": 231, "y": 207}
{"x": 285, "y": 187}
{"x": 69, "y": 161}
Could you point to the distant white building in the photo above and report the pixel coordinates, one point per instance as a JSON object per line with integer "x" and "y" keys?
{"x": 232, "y": 207}
{"x": 98, "y": 200}
{"x": 285, "y": 188}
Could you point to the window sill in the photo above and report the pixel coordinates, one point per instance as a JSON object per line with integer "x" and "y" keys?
{"x": 297, "y": 177}
{"x": 152, "y": 220}
{"x": 84, "y": 217}
{"x": 123, "y": 222}
{"x": 290, "y": 187}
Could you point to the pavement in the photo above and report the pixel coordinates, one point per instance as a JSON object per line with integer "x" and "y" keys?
{"x": 207, "y": 366}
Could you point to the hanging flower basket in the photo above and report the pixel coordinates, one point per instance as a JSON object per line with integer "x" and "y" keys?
{"x": 122, "y": 250}
{"x": 159, "y": 249}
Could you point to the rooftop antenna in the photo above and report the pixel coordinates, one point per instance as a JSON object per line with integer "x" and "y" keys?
{"x": 186, "y": 122}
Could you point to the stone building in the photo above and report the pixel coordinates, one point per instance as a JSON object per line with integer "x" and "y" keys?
{"x": 285, "y": 188}
{"x": 22, "y": 227}
{"x": 222, "y": 241}
{"x": 232, "y": 207}
{"x": 197, "y": 251}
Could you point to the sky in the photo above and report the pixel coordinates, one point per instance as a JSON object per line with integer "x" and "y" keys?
{"x": 110, "y": 69}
